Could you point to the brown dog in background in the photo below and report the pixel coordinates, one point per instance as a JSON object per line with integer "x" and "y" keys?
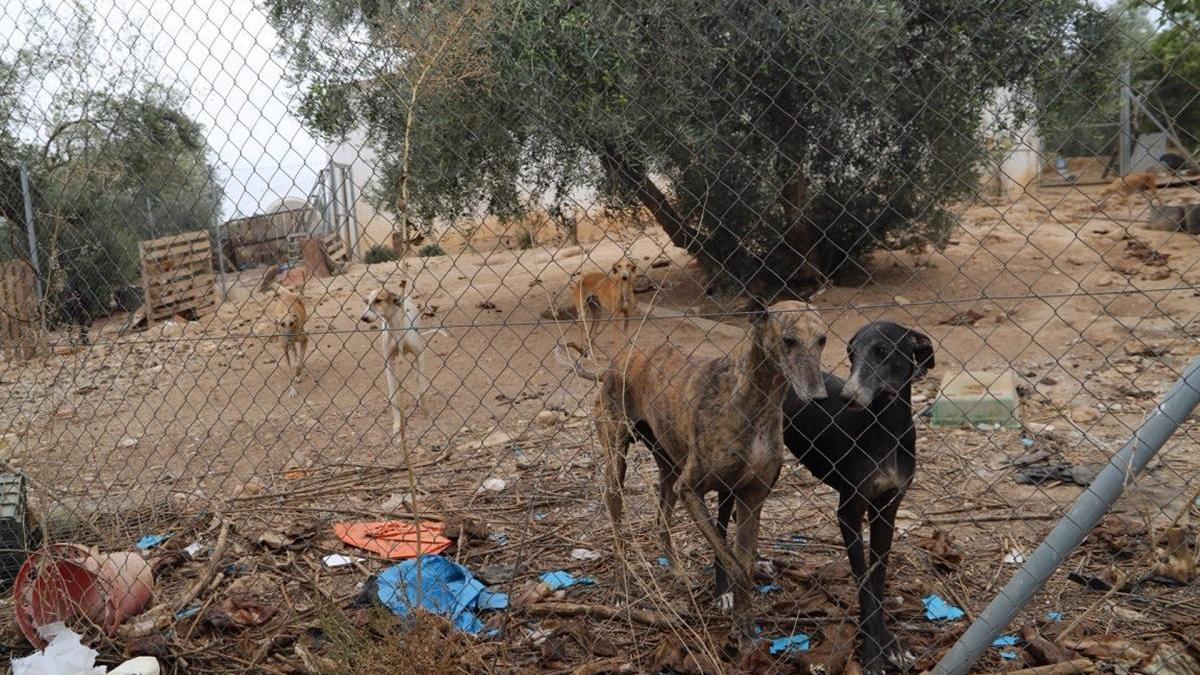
{"x": 1134, "y": 183}
{"x": 292, "y": 338}
{"x": 612, "y": 291}
{"x": 712, "y": 425}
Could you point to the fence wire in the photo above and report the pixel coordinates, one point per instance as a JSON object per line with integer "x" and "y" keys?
{"x": 664, "y": 337}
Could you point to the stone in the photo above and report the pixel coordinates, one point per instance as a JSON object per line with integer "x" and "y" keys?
{"x": 977, "y": 398}
{"x": 548, "y": 418}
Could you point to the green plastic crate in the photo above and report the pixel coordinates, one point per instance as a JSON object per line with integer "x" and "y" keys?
{"x": 14, "y": 528}
{"x": 977, "y": 397}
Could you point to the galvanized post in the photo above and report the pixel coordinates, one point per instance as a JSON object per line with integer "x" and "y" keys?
{"x": 1087, "y": 510}
{"x": 1126, "y": 133}
{"x": 220, "y": 259}
{"x": 30, "y": 232}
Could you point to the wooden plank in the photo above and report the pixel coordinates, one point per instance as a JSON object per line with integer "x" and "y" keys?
{"x": 186, "y": 237}
{"x": 177, "y": 251}
{"x": 176, "y": 276}
{"x": 179, "y": 259}
{"x": 181, "y": 294}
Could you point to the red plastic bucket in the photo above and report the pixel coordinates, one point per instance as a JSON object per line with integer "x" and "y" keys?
{"x": 65, "y": 581}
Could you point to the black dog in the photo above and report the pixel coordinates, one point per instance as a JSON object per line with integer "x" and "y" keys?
{"x": 860, "y": 441}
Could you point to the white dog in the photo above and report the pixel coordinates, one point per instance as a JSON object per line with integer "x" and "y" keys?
{"x": 400, "y": 330}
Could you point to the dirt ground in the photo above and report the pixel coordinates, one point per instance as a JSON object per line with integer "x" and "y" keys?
{"x": 167, "y": 427}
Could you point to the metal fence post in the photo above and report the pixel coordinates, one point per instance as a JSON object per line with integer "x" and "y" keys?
{"x": 27, "y": 194}
{"x": 1087, "y": 510}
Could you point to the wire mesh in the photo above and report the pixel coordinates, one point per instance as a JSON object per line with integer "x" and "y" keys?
{"x": 453, "y": 336}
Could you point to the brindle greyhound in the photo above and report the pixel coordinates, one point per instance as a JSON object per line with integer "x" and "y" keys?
{"x": 712, "y": 425}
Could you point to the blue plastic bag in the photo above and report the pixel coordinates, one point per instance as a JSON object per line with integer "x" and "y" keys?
{"x": 937, "y": 609}
{"x": 446, "y": 589}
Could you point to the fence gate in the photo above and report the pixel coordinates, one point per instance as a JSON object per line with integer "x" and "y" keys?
{"x": 177, "y": 275}
{"x": 20, "y": 331}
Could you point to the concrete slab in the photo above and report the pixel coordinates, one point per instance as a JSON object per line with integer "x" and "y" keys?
{"x": 977, "y": 397}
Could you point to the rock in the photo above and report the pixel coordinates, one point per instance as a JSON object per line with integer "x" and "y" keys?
{"x": 63, "y": 350}
{"x": 548, "y": 418}
{"x": 901, "y": 300}
{"x": 127, "y": 442}
{"x": 252, "y": 487}
{"x": 396, "y": 502}
{"x": 1084, "y": 415}
{"x": 585, "y": 554}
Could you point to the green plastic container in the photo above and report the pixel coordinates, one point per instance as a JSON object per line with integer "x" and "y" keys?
{"x": 977, "y": 398}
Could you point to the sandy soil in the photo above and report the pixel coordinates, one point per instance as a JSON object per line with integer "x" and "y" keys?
{"x": 191, "y": 415}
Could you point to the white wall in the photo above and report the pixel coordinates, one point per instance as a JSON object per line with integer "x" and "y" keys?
{"x": 374, "y": 227}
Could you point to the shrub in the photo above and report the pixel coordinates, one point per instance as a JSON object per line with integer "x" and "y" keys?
{"x": 380, "y": 254}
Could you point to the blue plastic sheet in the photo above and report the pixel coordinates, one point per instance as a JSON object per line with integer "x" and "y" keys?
{"x": 446, "y": 588}
{"x": 559, "y": 580}
{"x": 769, "y": 588}
{"x": 151, "y": 540}
{"x": 1006, "y": 641}
{"x": 937, "y": 609}
{"x": 1054, "y": 616}
{"x": 792, "y": 643}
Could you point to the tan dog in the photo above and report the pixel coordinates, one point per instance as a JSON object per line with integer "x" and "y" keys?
{"x": 612, "y": 291}
{"x": 712, "y": 425}
{"x": 292, "y": 338}
{"x": 1131, "y": 184}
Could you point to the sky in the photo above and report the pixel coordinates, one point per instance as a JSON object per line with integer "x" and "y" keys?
{"x": 222, "y": 54}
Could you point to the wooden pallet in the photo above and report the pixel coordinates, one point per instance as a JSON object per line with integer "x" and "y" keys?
{"x": 21, "y": 335}
{"x": 335, "y": 248}
{"x": 177, "y": 276}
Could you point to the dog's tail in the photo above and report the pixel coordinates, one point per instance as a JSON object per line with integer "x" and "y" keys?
{"x": 576, "y": 365}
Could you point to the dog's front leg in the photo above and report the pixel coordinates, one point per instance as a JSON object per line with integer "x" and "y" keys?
{"x": 883, "y": 528}
{"x": 851, "y": 510}
{"x": 725, "y": 501}
{"x": 393, "y": 385}
{"x": 693, "y": 500}
{"x": 749, "y": 505}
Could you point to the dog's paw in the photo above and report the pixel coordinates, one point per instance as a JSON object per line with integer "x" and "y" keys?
{"x": 899, "y": 657}
{"x": 725, "y": 602}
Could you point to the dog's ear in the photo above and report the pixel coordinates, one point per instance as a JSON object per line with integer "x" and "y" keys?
{"x": 922, "y": 353}
{"x": 756, "y": 310}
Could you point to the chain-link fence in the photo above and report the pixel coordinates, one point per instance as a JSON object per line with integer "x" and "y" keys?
{"x": 592, "y": 337}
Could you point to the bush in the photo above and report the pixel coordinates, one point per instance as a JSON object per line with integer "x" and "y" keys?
{"x": 380, "y": 254}
{"x": 431, "y": 250}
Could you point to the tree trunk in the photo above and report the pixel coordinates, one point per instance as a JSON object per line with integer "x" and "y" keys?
{"x": 802, "y": 242}
{"x": 651, "y": 197}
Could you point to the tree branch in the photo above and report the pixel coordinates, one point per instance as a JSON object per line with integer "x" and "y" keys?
{"x": 649, "y": 194}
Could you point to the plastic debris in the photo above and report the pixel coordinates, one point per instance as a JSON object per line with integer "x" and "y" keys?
{"x": 937, "y": 609}
{"x": 663, "y": 561}
{"x": 1027, "y": 442}
{"x": 560, "y": 579}
{"x": 494, "y": 485}
{"x": 443, "y": 587}
{"x": 1008, "y": 655}
{"x": 339, "y": 560}
{"x": 499, "y": 538}
{"x": 151, "y": 540}
{"x": 394, "y": 539}
{"x": 769, "y": 588}
{"x": 798, "y": 642}
{"x": 193, "y": 549}
{"x": 585, "y": 554}
{"x": 64, "y": 655}
{"x": 1006, "y": 641}
{"x": 1014, "y": 557}
{"x": 1054, "y": 616}
{"x": 186, "y": 613}
{"x": 142, "y": 665}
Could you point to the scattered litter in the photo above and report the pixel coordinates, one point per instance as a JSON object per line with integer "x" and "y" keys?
{"x": 295, "y": 537}
{"x": 1054, "y": 616}
{"x": 560, "y": 579}
{"x": 442, "y": 587}
{"x": 1092, "y": 583}
{"x": 663, "y": 561}
{"x": 151, "y": 540}
{"x": 186, "y": 613}
{"x": 1014, "y": 557}
{"x": 64, "y": 655}
{"x": 394, "y": 539}
{"x": 769, "y": 588}
{"x": 792, "y": 542}
{"x": 1060, "y": 472}
{"x": 798, "y": 642}
{"x": 494, "y": 485}
{"x": 1027, "y": 442}
{"x": 937, "y": 609}
{"x": 339, "y": 560}
{"x": 585, "y": 554}
{"x": 1008, "y": 655}
{"x": 499, "y": 538}
{"x": 193, "y": 549}
{"x": 1006, "y": 641}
